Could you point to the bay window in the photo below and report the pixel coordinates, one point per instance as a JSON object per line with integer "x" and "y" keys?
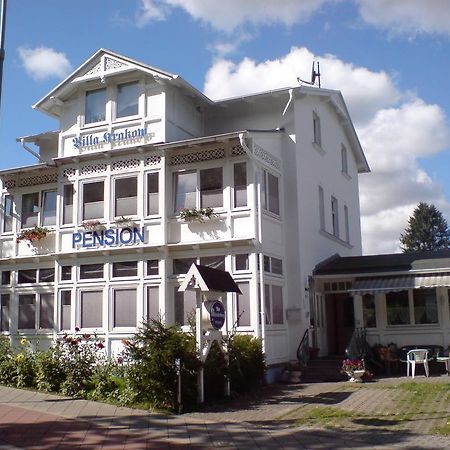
{"x": 202, "y": 189}
{"x": 125, "y": 196}
{"x": 67, "y": 204}
{"x": 152, "y": 193}
{"x": 397, "y": 307}
{"x": 30, "y": 210}
{"x": 8, "y": 210}
{"x": 93, "y": 200}
{"x": 95, "y": 106}
{"x": 270, "y": 193}
{"x": 240, "y": 184}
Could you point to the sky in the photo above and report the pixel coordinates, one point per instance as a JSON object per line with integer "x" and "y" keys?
{"x": 390, "y": 59}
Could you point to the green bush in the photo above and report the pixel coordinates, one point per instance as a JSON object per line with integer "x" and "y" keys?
{"x": 50, "y": 371}
{"x": 152, "y": 373}
{"x": 247, "y": 364}
{"x": 6, "y": 361}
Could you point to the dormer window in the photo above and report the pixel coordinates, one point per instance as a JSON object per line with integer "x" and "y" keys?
{"x": 127, "y": 99}
{"x": 95, "y": 106}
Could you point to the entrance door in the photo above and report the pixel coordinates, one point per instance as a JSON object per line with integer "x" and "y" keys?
{"x": 340, "y": 322}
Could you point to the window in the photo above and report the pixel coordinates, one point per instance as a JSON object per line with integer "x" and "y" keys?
{"x": 243, "y": 305}
{"x": 185, "y": 190}
{"x": 27, "y": 312}
{"x": 240, "y": 184}
{"x": 153, "y": 267}
{"x": 4, "y": 312}
{"x": 152, "y": 302}
{"x": 66, "y": 309}
{"x": 8, "y": 205}
{"x": 93, "y": 200}
{"x": 126, "y": 196}
{"x": 127, "y": 99}
{"x": 67, "y": 204}
{"x": 335, "y": 216}
{"x": 26, "y": 276}
{"x": 347, "y": 224}
{"x": 211, "y": 188}
{"x": 321, "y": 209}
{"x": 215, "y": 262}
{"x": 124, "y": 269}
{"x": 210, "y": 191}
{"x": 344, "y": 162}
{"x": 397, "y": 306}
{"x": 425, "y": 306}
{"x": 66, "y": 273}
{"x": 6, "y": 277}
{"x": 184, "y": 306}
{"x": 270, "y": 193}
{"x": 182, "y": 265}
{"x": 30, "y": 210}
{"x": 95, "y": 106}
{"x": 124, "y": 308}
{"x": 46, "y": 275}
{"x": 273, "y": 304}
{"x": 91, "y": 309}
{"x": 241, "y": 262}
{"x": 369, "y": 311}
{"x": 317, "y": 139}
{"x": 48, "y": 208}
{"x": 152, "y": 193}
{"x": 273, "y": 265}
{"x": 46, "y": 307}
{"x": 89, "y": 271}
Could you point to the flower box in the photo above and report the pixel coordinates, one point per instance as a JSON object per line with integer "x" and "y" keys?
{"x": 197, "y": 214}
{"x": 125, "y": 222}
{"x": 93, "y": 225}
{"x": 32, "y": 235}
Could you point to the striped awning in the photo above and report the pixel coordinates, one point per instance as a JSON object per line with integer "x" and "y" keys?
{"x": 400, "y": 283}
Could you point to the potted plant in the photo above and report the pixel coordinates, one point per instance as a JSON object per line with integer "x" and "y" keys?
{"x": 125, "y": 222}
{"x": 197, "y": 214}
{"x": 354, "y": 368}
{"x": 294, "y": 371}
{"x": 92, "y": 225}
{"x": 34, "y": 234}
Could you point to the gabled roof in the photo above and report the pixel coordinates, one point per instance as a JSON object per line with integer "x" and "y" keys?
{"x": 102, "y": 64}
{"x": 389, "y": 263}
{"x": 208, "y": 279}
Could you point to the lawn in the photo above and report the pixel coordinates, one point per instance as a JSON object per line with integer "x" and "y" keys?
{"x": 413, "y": 406}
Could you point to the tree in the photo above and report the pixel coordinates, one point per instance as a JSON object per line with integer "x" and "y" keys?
{"x": 427, "y": 230}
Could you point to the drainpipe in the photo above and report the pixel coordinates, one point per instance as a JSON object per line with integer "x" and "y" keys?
{"x": 36, "y": 155}
{"x": 261, "y": 330}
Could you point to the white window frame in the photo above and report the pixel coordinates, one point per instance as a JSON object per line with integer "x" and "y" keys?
{"x": 197, "y": 171}
{"x": 347, "y": 225}
{"x": 63, "y": 199}
{"x": 265, "y": 193}
{"x": 87, "y": 280}
{"x": 317, "y": 131}
{"x": 116, "y": 101}
{"x": 81, "y": 197}
{"x": 120, "y": 287}
{"x": 37, "y": 310}
{"x": 40, "y": 213}
{"x": 246, "y": 206}
{"x": 60, "y": 309}
{"x": 146, "y": 174}
{"x": 344, "y": 160}
{"x": 335, "y": 216}
{"x": 269, "y": 316}
{"x": 99, "y": 122}
{"x": 13, "y": 213}
{"x": 138, "y": 194}
{"x": 322, "y": 209}
{"x": 146, "y": 310}
{"x": 80, "y": 290}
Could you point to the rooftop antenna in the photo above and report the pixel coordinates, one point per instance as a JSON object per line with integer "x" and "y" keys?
{"x": 315, "y": 74}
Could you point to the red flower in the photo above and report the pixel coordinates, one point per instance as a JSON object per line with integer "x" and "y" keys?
{"x": 86, "y": 336}
{"x": 77, "y": 329}
{"x": 100, "y": 345}
{"x": 119, "y": 360}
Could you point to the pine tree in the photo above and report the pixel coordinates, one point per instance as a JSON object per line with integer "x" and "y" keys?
{"x": 427, "y": 230}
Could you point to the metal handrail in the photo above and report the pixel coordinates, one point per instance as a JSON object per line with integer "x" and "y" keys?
{"x": 303, "y": 348}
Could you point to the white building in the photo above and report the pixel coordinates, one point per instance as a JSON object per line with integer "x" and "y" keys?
{"x": 279, "y": 168}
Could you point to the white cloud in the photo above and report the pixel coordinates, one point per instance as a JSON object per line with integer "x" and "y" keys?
{"x": 395, "y": 129}
{"x": 44, "y": 62}
{"x": 150, "y": 11}
{"x": 365, "y": 91}
{"x": 230, "y": 14}
{"x": 410, "y": 17}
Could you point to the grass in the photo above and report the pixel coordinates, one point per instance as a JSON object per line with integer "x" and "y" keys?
{"x": 417, "y": 407}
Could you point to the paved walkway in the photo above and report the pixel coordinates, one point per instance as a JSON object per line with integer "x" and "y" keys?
{"x": 33, "y": 420}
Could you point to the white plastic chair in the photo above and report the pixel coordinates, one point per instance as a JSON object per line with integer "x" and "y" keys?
{"x": 417, "y": 356}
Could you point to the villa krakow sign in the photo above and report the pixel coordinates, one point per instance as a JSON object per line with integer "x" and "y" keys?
{"x": 109, "y": 237}
{"x": 111, "y": 138}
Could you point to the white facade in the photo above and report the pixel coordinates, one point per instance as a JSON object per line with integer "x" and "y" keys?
{"x": 280, "y": 170}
